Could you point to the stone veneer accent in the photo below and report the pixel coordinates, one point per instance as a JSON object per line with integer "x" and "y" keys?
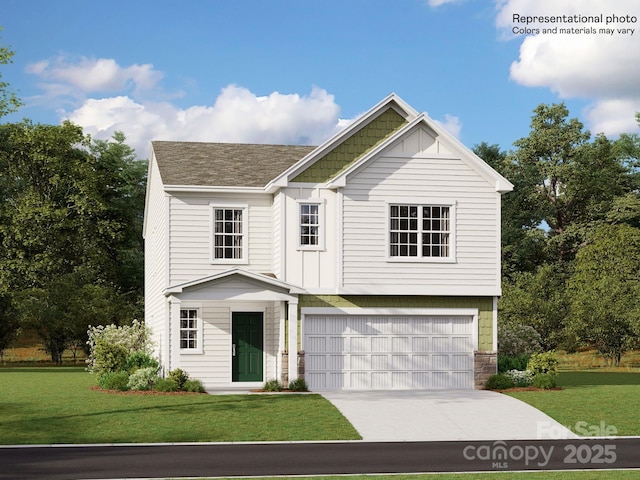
{"x": 485, "y": 364}
{"x": 284, "y": 378}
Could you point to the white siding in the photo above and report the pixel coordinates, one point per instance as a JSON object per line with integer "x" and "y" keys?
{"x": 314, "y": 270}
{"x": 213, "y": 366}
{"x": 190, "y": 235}
{"x": 156, "y": 261}
{"x": 420, "y": 180}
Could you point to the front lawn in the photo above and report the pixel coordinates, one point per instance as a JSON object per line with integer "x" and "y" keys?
{"x": 591, "y": 398}
{"x": 56, "y": 405}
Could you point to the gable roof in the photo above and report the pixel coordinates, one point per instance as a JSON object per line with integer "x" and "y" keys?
{"x": 391, "y": 101}
{"x": 224, "y": 164}
{"x": 475, "y": 162}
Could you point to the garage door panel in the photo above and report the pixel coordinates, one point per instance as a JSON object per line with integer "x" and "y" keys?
{"x": 388, "y": 352}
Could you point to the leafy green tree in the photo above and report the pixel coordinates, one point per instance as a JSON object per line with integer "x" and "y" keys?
{"x": 9, "y": 102}
{"x": 605, "y": 291}
{"x": 523, "y": 241}
{"x": 70, "y": 226}
{"x": 537, "y": 299}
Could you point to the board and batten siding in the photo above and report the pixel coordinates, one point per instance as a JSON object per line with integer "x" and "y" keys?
{"x": 191, "y": 235}
{"x": 156, "y": 261}
{"x": 312, "y": 269}
{"x": 420, "y": 179}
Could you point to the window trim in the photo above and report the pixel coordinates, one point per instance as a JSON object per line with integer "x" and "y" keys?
{"x": 451, "y": 204}
{"x": 320, "y": 202}
{"x": 244, "y": 259}
{"x": 198, "y": 349}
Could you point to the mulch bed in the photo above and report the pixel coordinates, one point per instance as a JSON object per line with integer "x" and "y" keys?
{"x": 141, "y": 392}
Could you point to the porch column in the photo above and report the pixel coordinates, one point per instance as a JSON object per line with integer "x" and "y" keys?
{"x": 293, "y": 339}
{"x": 174, "y": 338}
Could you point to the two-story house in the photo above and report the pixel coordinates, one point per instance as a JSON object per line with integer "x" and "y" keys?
{"x": 369, "y": 262}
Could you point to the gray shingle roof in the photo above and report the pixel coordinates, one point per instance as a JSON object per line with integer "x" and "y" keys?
{"x": 224, "y": 164}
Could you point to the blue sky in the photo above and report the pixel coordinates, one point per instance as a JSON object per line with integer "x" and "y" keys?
{"x": 297, "y": 71}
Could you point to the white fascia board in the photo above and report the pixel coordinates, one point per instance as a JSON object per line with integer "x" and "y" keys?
{"x": 176, "y": 289}
{"x": 502, "y": 185}
{"x": 282, "y": 180}
{"x": 147, "y": 190}
{"x": 212, "y": 189}
{"x": 341, "y": 180}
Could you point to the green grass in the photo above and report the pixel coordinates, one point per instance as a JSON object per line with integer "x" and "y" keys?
{"x": 591, "y": 397}
{"x": 56, "y": 405}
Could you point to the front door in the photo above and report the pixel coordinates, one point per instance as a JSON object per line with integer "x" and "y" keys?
{"x": 246, "y": 348}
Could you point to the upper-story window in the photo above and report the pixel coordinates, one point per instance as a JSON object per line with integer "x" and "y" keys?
{"x": 229, "y": 234}
{"x": 420, "y": 231}
{"x": 311, "y": 219}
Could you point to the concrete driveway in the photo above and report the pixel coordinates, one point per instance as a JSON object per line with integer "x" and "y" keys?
{"x": 443, "y": 415}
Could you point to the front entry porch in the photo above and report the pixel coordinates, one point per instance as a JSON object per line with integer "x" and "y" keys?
{"x": 241, "y": 327}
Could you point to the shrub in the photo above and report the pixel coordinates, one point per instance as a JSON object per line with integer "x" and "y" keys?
{"x": 138, "y": 360}
{"x": 515, "y": 339}
{"x": 272, "y": 386}
{"x": 298, "y": 385}
{"x": 543, "y": 363}
{"x": 114, "y": 381}
{"x": 520, "y": 378}
{"x": 108, "y": 357}
{"x": 499, "y": 381}
{"x": 193, "y": 386}
{"x": 545, "y": 381}
{"x": 143, "y": 379}
{"x": 179, "y": 376}
{"x": 506, "y": 362}
{"x": 113, "y": 340}
{"x": 166, "y": 385}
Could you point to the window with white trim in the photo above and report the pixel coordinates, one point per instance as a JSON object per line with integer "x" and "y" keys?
{"x": 311, "y": 224}
{"x": 190, "y": 329}
{"x": 229, "y": 234}
{"x": 420, "y": 231}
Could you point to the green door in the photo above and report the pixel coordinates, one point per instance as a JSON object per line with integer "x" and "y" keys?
{"x": 246, "y": 351}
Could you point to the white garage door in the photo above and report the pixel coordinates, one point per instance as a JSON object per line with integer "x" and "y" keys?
{"x": 388, "y": 352}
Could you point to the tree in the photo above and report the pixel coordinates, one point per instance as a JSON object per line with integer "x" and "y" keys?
{"x": 537, "y": 299}
{"x": 70, "y": 226}
{"x": 8, "y": 100}
{"x": 9, "y": 324}
{"x": 523, "y": 241}
{"x": 605, "y": 291}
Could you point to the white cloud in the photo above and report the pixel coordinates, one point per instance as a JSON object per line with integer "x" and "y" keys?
{"x": 237, "y": 115}
{"x": 598, "y": 67}
{"x": 437, "y": 3}
{"x": 451, "y": 124}
{"x": 91, "y": 75}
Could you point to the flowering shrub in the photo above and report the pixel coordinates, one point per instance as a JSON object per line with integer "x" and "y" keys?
{"x": 143, "y": 379}
{"x": 520, "y": 378}
{"x": 110, "y": 345}
{"x": 515, "y": 339}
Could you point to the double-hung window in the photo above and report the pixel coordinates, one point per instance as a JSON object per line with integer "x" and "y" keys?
{"x": 229, "y": 234}
{"x": 420, "y": 231}
{"x": 190, "y": 329}
{"x": 311, "y": 220}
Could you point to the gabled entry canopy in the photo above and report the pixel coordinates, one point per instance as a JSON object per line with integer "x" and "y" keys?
{"x": 236, "y": 284}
